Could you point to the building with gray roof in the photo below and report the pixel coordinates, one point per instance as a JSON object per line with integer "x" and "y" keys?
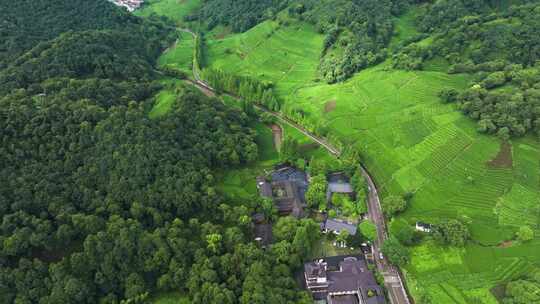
{"x": 350, "y": 283}
{"x": 336, "y": 226}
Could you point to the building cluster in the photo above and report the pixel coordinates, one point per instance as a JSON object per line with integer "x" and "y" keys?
{"x": 130, "y": 5}
{"x": 287, "y": 189}
{"x": 348, "y": 281}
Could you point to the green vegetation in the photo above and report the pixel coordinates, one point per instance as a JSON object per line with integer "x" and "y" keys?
{"x": 102, "y": 204}
{"x": 411, "y": 142}
{"x": 392, "y": 205}
{"x": 286, "y": 56}
{"x": 176, "y": 10}
{"x": 451, "y": 232}
{"x": 89, "y": 177}
{"x": 525, "y": 290}
{"x": 525, "y": 234}
{"x": 164, "y": 100}
{"x": 180, "y": 55}
{"x": 170, "y": 298}
{"x": 368, "y": 230}
{"x": 316, "y": 194}
{"x": 26, "y": 23}
{"x": 404, "y": 232}
{"x": 396, "y": 253}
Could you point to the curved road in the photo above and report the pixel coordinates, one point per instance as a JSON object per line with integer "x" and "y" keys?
{"x": 392, "y": 278}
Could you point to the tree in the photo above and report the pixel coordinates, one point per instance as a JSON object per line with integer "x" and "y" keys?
{"x": 343, "y": 237}
{"x": 368, "y": 230}
{"x": 522, "y": 292}
{"x": 396, "y": 253}
{"x": 316, "y": 193}
{"x": 393, "y": 205}
{"x": 451, "y": 232}
{"x": 525, "y": 234}
{"x": 268, "y": 208}
{"x": 448, "y": 95}
{"x": 404, "y": 232}
{"x": 289, "y": 149}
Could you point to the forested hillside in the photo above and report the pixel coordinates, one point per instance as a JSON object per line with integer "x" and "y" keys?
{"x": 25, "y": 23}
{"x": 500, "y": 45}
{"x": 357, "y": 32}
{"x": 447, "y": 115}
{"x": 100, "y": 203}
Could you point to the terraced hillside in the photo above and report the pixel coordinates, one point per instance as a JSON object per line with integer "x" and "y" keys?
{"x": 410, "y": 142}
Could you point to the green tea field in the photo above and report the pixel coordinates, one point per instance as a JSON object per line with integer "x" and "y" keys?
{"x": 411, "y": 142}
{"x": 180, "y": 55}
{"x": 174, "y": 9}
{"x": 285, "y": 55}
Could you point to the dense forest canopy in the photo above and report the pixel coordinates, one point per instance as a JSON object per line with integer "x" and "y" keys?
{"x": 497, "y": 43}
{"x": 98, "y": 202}
{"x": 357, "y": 32}
{"x": 25, "y": 23}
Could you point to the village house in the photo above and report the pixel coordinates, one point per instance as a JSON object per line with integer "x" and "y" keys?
{"x": 342, "y": 280}
{"x": 338, "y": 183}
{"x": 130, "y": 5}
{"x": 336, "y": 226}
{"x": 287, "y": 189}
{"x": 423, "y": 227}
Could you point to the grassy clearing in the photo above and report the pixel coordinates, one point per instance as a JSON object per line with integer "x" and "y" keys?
{"x": 165, "y": 99}
{"x": 238, "y": 185}
{"x": 180, "y": 55}
{"x": 410, "y": 142}
{"x": 173, "y": 9}
{"x": 325, "y": 248}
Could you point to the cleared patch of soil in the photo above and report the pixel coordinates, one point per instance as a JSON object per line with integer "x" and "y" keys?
{"x": 223, "y": 33}
{"x": 505, "y": 244}
{"x": 329, "y": 106}
{"x": 277, "y": 133}
{"x": 503, "y": 158}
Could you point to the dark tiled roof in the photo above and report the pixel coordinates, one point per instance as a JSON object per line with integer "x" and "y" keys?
{"x": 424, "y": 225}
{"x": 340, "y": 188}
{"x": 352, "y": 277}
{"x": 265, "y": 188}
{"x": 263, "y": 233}
{"x": 338, "y": 226}
{"x": 344, "y": 299}
{"x": 338, "y": 177}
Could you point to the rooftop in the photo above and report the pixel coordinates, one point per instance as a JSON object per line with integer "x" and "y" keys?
{"x": 351, "y": 283}
{"x": 337, "y": 226}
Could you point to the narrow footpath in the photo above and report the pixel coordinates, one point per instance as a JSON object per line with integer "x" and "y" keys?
{"x": 392, "y": 278}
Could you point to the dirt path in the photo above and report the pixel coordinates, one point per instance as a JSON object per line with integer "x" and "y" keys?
{"x": 277, "y": 134}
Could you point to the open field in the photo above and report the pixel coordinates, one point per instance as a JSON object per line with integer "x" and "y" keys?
{"x": 285, "y": 55}
{"x": 412, "y": 142}
{"x": 165, "y": 99}
{"x": 174, "y": 9}
{"x": 179, "y": 55}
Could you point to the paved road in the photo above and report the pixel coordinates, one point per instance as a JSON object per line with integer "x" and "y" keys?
{"x": 392, "y": 278}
